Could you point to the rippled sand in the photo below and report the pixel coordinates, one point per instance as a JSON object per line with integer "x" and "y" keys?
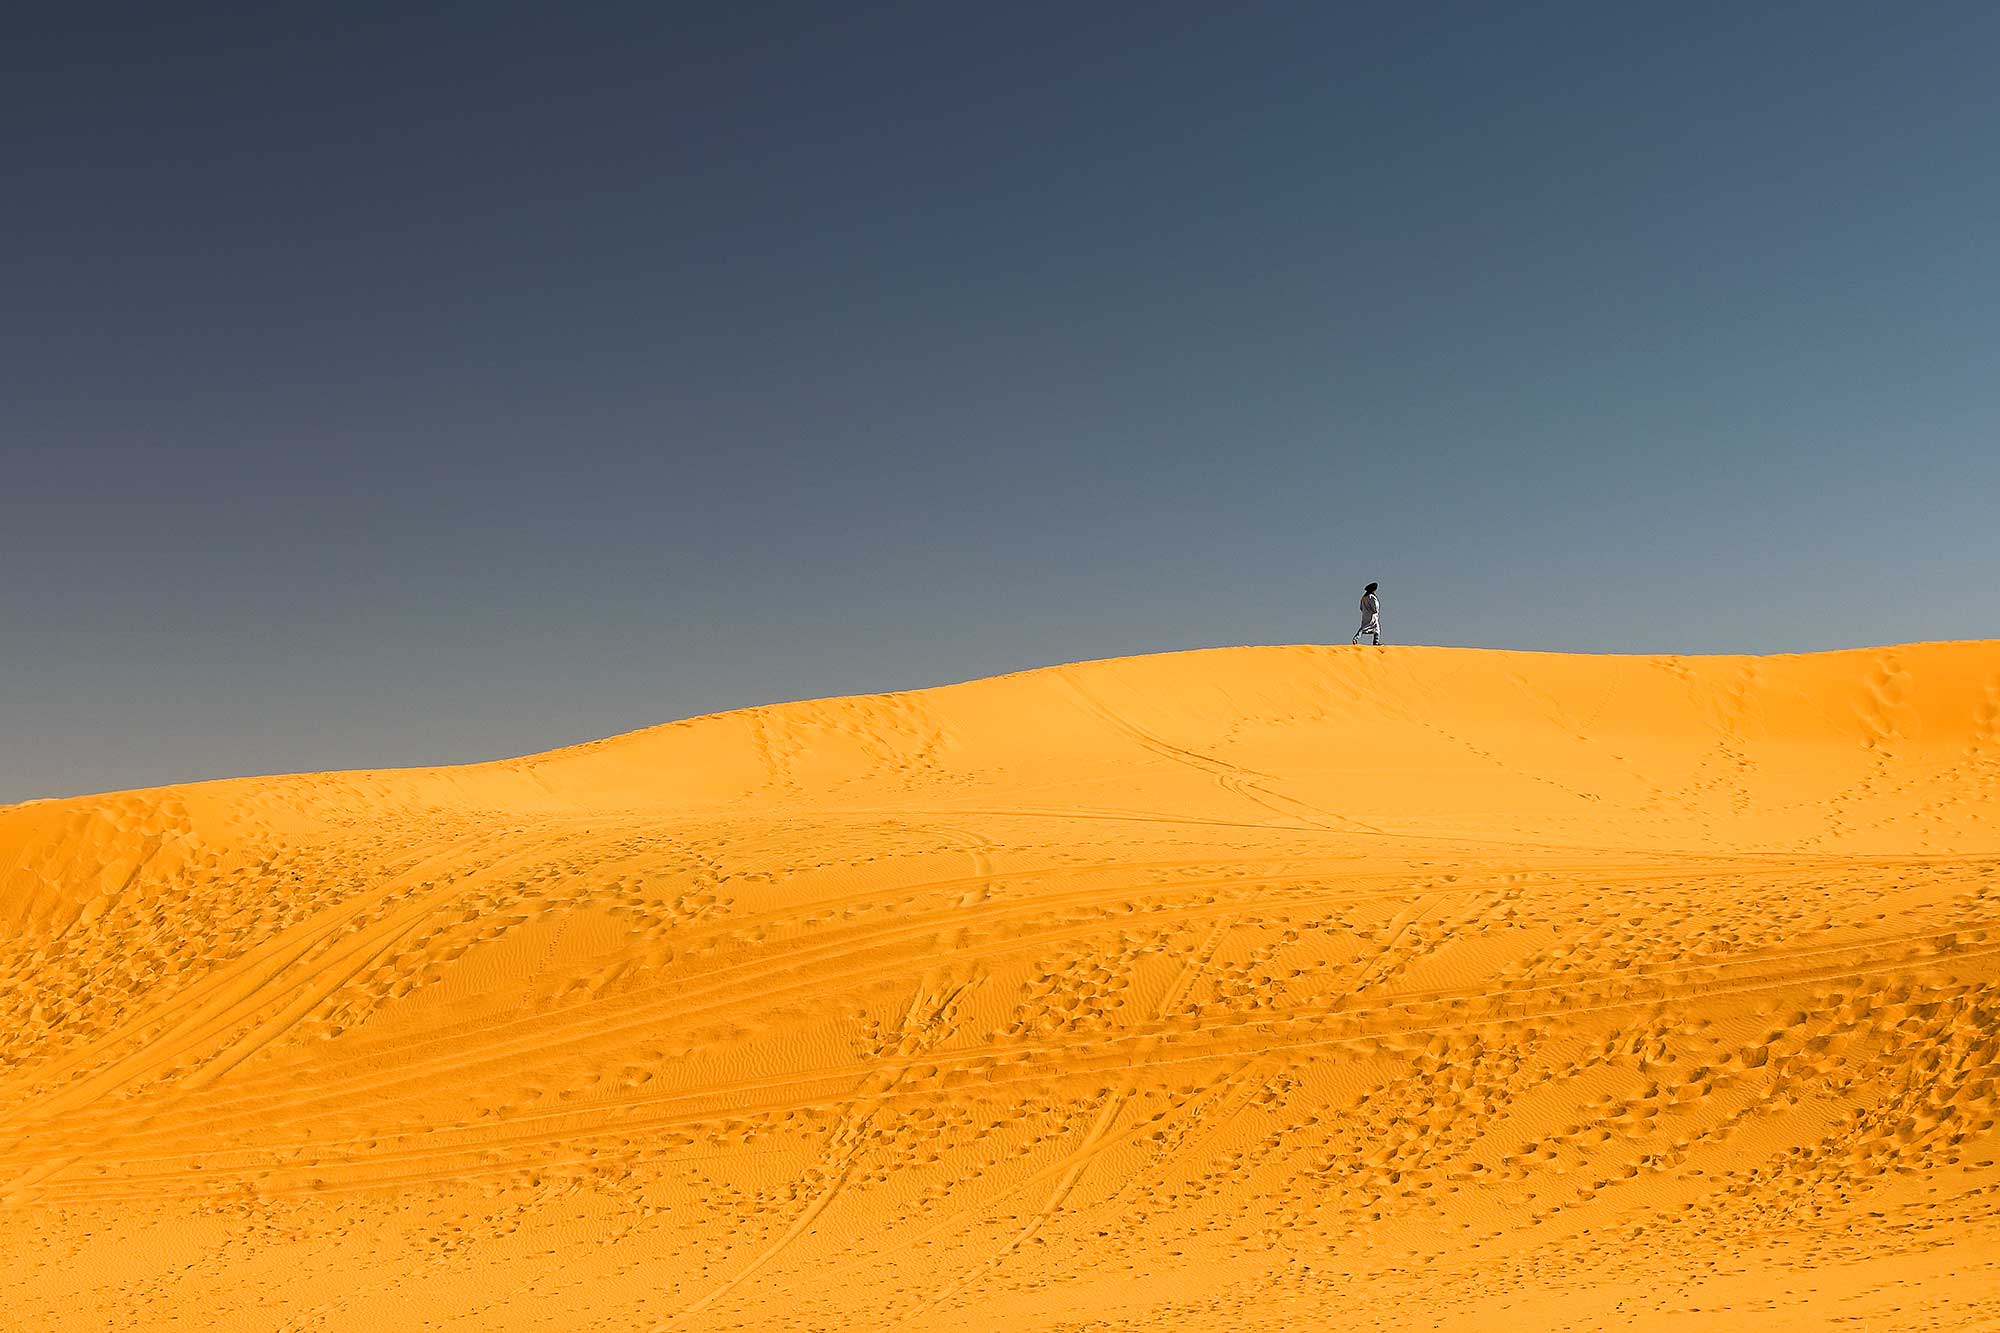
{"x": 1249, "y": 989}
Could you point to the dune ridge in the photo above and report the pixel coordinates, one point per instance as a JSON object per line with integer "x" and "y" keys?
{"x": 1370, "y": 988}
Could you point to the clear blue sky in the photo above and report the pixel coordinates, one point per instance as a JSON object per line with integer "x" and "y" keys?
{"x": 390, "y": 385}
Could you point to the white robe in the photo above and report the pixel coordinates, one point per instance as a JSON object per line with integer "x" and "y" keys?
{"x": 1371, "y": 614}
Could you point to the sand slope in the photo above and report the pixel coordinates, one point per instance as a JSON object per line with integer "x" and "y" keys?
{"x": 1246, "y": 989}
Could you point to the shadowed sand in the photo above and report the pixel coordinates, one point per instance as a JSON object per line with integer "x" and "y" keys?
{"x": 1245, "y": 989}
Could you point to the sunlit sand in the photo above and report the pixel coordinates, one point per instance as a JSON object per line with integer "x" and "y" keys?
{"x": 1249, "y": 989}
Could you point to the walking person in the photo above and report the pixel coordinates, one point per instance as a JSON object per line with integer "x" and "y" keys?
{"x": 1371, "y": 616}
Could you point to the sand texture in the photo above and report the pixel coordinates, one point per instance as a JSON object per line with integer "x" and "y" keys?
{"x": 1248, "y": 989}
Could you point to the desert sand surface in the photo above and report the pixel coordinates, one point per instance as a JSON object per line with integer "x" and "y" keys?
{"x": 1249, "y": 989}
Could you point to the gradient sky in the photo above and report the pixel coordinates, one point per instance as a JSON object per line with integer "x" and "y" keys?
{"x": 394, "y": 385}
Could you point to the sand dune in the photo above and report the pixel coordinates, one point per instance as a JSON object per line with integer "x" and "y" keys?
{"x": 1248, "y": 989}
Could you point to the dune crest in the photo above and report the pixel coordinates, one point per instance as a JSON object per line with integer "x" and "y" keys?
{"x": 1246, "y": 988}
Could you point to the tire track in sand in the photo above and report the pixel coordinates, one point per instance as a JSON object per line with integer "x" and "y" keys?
{"x": 1246, "y": 783}
{"x": 1503, "y": 1019}
{"x": 1080, "y": 1158}
{"x": 849, "y": 1136}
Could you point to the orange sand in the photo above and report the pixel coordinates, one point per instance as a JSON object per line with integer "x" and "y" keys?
{"x": 1251, "y": 989}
